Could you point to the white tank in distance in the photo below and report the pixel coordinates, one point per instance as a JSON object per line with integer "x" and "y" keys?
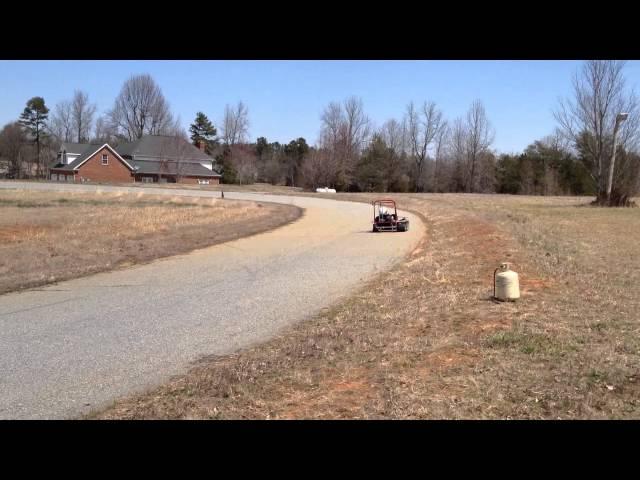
{"x": 507, "y": 285}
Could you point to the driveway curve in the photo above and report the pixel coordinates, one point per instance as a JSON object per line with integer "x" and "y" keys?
{"x": 75, "y": 346}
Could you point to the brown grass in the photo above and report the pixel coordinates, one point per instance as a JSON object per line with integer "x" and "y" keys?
{"x": 47, "y": 236}
{"x": 254, "y": 187}
{"x": 425, "y": 340}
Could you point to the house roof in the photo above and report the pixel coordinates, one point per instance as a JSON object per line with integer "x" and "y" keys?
{"x": 152, "y": 154}
{"x": 57, "y": 164}
{"x": 86, "y": 154}
{"x": 163, "y": 147}
{"x": 75, "y": 149}
{"x": 89, "y": 151}
{"x": 172, "y": 168}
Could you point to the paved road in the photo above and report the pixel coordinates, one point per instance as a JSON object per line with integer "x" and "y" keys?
{"x": 77, "y": 345}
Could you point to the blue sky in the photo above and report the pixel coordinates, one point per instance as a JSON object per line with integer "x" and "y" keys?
{"x": 286, "y": 98}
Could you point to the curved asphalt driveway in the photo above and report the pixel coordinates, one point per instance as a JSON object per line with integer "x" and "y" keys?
{"x": 77, "y": 345}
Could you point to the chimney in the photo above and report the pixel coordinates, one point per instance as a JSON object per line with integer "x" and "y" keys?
{"x": 200, "y": 145}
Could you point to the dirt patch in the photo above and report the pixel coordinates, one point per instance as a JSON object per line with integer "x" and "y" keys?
{"x": 51, "y": 236}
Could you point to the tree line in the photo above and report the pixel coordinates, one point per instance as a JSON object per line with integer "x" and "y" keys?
{"x": 589, "y": 152}
{"x": 593, "y": 150}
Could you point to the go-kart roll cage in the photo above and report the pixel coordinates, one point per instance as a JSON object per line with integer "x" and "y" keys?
{"x": 388, "y": 222}
{"x": 385, "y": 202}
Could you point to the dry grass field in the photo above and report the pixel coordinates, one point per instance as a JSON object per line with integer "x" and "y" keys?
{"x": 426, "y": 340}
{"x": 48, "y": 236}
{"x": 254, "y": 187}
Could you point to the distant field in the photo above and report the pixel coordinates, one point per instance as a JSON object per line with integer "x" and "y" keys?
{"x": 52, "y": 236}
{"x": 426, "y": 341}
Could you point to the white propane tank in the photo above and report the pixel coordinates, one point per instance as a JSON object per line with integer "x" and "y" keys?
{"x": 506, "y": 285}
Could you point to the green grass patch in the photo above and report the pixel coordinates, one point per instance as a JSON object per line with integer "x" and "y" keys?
{"x": 529, "y": 343}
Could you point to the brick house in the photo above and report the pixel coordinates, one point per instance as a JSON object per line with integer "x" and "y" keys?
{"x": 152, "y": 158}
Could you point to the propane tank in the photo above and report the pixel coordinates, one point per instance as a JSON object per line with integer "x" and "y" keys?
{"x": 505, "y": 284}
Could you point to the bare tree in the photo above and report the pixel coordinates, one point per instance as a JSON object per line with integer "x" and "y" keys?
{"x": 479, "y": 137}
{"x": 557, "y": 141}
{"x": 182, "y": 148}
{"x": 319, "y": 169}
{"x": 458, "y": 152}
{"x": 333, "y": 145}
{"x": 394, "y": 135}
{"x": 235, "y": 124}
{"x": 12, "y": 143}
{"x": 550, "y": 151}
{"x": 332, "y": 121}
{"x": 244, "y": 162}
{"x": 175, "y": 129}
{"x": 173, "y": 151}
{"x": 82, "y": 113}
{"x": 344, "y": 133}
{"x": 486, "y": 172}
{"x": 357, "y": 126}
{"x": 141, "y": 109}
{"x": 61, "y": 121}
{"x": 423, "y": 126}
{"x": 104, "y": 132}
{"x": 441, "y": 142}
{"x": 273, "y": 168}
{"x": 588, "y": 121}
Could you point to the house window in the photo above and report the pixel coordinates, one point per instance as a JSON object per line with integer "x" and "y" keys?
{"x": 105, "y": 159}
{"x": 147, "y": 179}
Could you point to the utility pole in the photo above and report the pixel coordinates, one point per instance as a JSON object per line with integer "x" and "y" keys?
{"x": 621, "y": 117}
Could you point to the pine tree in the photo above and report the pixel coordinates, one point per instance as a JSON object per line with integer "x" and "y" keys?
{"x": 295, "y": 153}
{"x": 202, "y": 130}
{"x": 34, "y": 118}
{"x": 229, "y": 173}
{"x": 370, "y": 170}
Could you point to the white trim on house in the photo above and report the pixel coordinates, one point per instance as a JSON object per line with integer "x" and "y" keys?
{"x": 112, "y": 150}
